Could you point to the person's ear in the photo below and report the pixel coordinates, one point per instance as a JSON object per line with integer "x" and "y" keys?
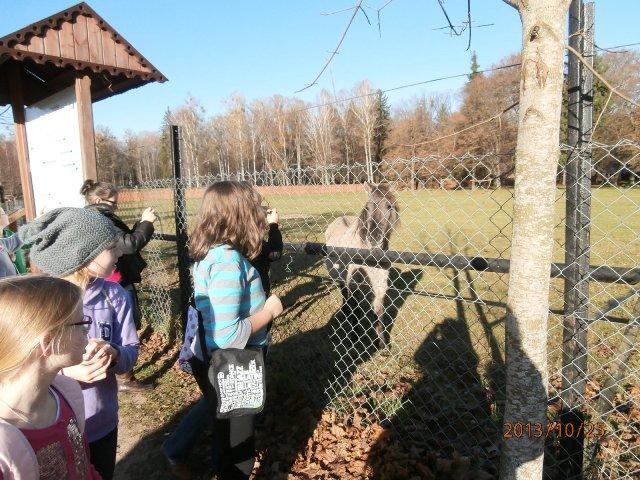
{"x": 45, "y": 345}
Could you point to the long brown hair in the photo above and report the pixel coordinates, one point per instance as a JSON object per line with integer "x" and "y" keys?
{"x": 230, "y": 214}
{"x": 31, "y": 306}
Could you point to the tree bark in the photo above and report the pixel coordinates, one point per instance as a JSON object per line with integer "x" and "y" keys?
{"x": 537, "y": 155}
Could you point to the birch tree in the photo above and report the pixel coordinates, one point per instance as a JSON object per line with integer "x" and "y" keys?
{"x": 320, "y": 135}
{"x": 190, "y": 118}
{"x": 365, "y": 109}
{"x": 537, "y": 155}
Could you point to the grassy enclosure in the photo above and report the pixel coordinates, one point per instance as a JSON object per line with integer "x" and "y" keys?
{"x": 442, "y": 381}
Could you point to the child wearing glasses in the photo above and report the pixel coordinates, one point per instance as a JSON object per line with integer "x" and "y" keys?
{"x": 102, "y": 197}
{"x": 42, "y": 417}
{"x": 81, "y": 246}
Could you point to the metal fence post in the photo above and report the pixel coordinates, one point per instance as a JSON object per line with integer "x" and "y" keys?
{"x": 577, "y": 236}
{"x": 180, "y": 215}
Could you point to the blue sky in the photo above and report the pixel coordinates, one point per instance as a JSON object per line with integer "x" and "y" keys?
{"x": 210, "y": 49}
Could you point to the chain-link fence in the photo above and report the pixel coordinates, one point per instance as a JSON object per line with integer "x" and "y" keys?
{"x": 402, "y": 322}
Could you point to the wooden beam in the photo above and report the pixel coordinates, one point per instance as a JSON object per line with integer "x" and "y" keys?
{"x": 22, "y": 147}
{"x": 40, "y": 91}
{"x": 14, "y": 217}
{"x": 85, "y": 122}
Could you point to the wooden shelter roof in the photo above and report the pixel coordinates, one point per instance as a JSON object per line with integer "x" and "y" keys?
{"x": 54, "y": 50}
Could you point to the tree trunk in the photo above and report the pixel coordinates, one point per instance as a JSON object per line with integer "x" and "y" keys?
{"x": 537, "y": 155}
{"x": 299, "y": 160}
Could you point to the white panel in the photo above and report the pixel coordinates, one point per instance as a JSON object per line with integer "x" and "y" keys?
{"x": 53, "y": 135}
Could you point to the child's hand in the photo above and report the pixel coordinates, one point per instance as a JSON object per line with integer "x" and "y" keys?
{"x": 98, "y": 348}
{"x": 89, "y": 371}
{"x": 274, "y": 305}
{"x": 149, "y": 215}
{"x": 273, "y": 217}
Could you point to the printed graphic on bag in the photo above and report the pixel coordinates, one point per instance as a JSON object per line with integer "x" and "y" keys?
{"x": 240, "y": 388}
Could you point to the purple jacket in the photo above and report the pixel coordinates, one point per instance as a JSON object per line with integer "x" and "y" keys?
{"x": 108, "y": 304}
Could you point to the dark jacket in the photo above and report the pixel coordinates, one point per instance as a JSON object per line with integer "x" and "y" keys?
{"x": 131, "y": 241}
{"x": 271, "y": 251}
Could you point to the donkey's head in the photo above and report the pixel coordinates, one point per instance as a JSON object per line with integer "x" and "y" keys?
{"x": 379, "y": 216}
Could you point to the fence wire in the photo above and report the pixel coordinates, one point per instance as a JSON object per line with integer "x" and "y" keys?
{"x": 430, "y": 363}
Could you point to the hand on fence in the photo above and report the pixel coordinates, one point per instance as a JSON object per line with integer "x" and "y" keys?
{"x": 274, "y": 305}
{"x": 149, "y": 215}
{"x": 273, "y": 217}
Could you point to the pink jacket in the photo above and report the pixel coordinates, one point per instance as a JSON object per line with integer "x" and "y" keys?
{"x": 17, "y": 458}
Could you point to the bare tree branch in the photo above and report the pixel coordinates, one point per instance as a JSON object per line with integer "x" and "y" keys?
{"x": 464, "y": 27}
{"x": 611, "y": 88}
{"x": 356, "y": 8}
{"x": 326, "y": 14}
{"x": 595, "y": 126}
{"x": 379, "y": 10}
{"x": 512, "y": 3}
{"x": 446, "y": 15}
{"x": 469, "y": 22}
{"x": 365, "y": 15}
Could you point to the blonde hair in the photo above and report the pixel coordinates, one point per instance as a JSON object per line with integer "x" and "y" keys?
{"x": 230, "y": 214}
{"x": 81, "y": 277}
{"x": 30, "y": 307}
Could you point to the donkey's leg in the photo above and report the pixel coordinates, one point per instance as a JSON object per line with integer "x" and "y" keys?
{"x": 379, "y": 278}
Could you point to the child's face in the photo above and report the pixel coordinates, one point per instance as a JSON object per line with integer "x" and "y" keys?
{"x": 103, "y": 265}
{"x": 70, "y": 347}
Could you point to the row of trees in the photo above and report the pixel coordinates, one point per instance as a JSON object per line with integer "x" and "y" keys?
{"x": 355, "y": 127}
{"x": 9, "y": 171}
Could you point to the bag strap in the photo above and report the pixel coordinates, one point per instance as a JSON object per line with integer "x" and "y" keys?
{"x": 70, "y": 390}
{"x": 18, "y": 461}
{"x": 108, "y": 300}
{"x": 202, "y": 337}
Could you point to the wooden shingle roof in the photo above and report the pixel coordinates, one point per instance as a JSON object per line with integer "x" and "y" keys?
{"x": 74, "y": 40}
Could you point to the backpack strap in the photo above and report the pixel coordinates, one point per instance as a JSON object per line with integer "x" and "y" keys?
{"x": 17, "y": 459}
{"x": 202, "y": 337}
{"x": 72, "y": 393}
{"x": 108, "y": 300}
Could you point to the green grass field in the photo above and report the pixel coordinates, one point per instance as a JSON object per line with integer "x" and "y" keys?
{"x": 446, "y": 361}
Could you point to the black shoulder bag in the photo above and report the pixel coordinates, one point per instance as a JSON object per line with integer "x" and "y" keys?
{"x": 237, "y": 377}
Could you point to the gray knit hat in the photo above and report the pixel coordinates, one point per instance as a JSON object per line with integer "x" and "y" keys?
{"x": 64, "y": 239}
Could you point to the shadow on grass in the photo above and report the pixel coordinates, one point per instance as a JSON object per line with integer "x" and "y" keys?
{"x": 312, "y": 364}
{"x": 146, "y": 461}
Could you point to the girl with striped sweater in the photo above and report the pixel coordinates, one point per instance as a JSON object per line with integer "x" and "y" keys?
{"x": 229, "y": 294}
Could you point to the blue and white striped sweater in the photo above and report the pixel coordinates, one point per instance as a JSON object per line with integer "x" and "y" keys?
{"x": 228, "y": 291}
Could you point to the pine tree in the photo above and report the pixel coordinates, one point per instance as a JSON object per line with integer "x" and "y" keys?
{"x": 475, "y": 66}
{"x": 381, "y": 132}
{"x": 165, "y": 146}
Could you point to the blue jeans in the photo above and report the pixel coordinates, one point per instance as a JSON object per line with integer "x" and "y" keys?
{"x": 180, "y": 443}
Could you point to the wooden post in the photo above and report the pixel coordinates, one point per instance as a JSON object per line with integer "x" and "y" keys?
{"x": 85, "y": 124}
{"x": 22, "y": 147}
